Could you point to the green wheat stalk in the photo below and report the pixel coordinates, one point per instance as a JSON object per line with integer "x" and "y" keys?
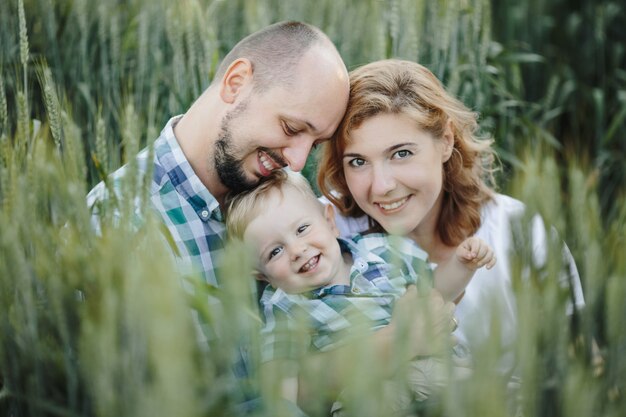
{"x": 74, "y": 152}
{"x": 23, "y": 121}
{"x": 102, "y": 151}
{"x": 51, "y": 101}
{"x": 4, "y": 114}
{"x": 23, "y": 44}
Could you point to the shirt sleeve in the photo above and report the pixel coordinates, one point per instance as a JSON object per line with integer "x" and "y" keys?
{"x": 416, "y": 260}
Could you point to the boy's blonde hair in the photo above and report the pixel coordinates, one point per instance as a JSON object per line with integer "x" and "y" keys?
{"x": 403, "y": 87}
{"x": 245, "y": 206}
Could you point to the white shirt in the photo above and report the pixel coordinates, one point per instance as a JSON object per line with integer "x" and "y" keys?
{"x": 489, "y": 299}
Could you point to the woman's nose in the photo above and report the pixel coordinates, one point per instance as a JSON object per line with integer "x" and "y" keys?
{"x": 383, "y": 180}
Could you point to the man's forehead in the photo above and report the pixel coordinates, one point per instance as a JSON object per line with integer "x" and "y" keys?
{"x": 319, "y": 114}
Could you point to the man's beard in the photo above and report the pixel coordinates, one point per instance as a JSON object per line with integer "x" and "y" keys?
{"x": 229, "y": 169}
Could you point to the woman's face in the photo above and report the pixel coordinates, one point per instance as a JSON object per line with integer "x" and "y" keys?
{"x": 394, "y": 171}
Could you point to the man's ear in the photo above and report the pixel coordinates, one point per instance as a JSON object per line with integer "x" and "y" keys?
{"x": 329, "y": 213}
{"x": 235, "y": 79}
{"x": 447, "y": 141}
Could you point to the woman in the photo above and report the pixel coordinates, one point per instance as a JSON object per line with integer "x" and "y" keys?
{"x": 406, "y": 160}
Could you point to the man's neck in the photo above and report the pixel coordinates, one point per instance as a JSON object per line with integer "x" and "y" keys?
{"x": 196, "y": 133}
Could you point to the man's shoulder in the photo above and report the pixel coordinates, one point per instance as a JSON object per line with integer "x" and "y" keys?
{"x": 115, "y": 181}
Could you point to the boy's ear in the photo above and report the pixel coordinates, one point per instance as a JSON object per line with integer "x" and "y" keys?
{"x": 259, "y": 276}
{"x": 235, "y": 79}
{"x": 447, "y": 141}
{"x": 329, "y": 213}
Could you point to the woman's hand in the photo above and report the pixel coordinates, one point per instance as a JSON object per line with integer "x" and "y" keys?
{"x": 421, "y": 325}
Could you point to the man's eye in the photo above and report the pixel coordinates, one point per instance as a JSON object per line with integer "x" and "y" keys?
{"x": 401, "y": 154}
{"x": 289, "y": 131}
{"x": 302, "y": 228}
{"x": 275, "y": 252}
{"x": 356, "y": 162}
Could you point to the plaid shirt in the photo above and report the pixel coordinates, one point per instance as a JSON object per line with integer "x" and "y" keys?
{"x": 383, "y": 266}
{"x": 188, "y": 210}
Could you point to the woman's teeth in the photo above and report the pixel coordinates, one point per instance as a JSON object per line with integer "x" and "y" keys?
{"x": 391, "y": 206}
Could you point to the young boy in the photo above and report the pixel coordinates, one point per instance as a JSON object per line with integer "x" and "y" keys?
{"x": 333, "y": 283}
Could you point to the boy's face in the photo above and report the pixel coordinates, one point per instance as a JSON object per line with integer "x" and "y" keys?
{"x": 295, "y": 241}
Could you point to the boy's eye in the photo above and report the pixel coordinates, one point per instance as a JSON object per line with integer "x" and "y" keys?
{"x": 302, "y": 228}
{"x": 401, "y": 154}
{"x": 277, "y": 250}
{"x": 356, "y": 162}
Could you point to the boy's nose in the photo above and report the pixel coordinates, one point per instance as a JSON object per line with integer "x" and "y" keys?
{"x": 297, "y": 251}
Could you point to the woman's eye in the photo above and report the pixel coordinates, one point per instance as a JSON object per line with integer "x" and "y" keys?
{"x": 302, "y": 228}
{"x": 275, "y": 252}
{"x": 401, "y": 154}
{"x": 356, "y": 162}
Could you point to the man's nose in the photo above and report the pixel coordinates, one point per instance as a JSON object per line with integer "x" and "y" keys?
{"x": 297, "y": 153}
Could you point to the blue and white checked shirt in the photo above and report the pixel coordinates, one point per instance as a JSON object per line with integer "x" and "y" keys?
{"x": 190, "y": 213}
{"x": 383, "y": 266}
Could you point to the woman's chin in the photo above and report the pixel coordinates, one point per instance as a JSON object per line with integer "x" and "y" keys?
{"x": 395, "y": 228}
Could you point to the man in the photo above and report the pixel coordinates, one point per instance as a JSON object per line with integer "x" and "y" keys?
{"x": 279, "y": 92}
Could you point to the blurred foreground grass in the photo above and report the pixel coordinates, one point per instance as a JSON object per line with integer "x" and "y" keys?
{"x": 100, "y": 325}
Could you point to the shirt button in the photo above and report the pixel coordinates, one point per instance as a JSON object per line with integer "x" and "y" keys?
{"x": 361, "y": 265}
{"x": 204, "y": 214}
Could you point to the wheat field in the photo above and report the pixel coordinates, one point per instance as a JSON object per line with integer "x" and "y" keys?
{"x": 99, "y": 325}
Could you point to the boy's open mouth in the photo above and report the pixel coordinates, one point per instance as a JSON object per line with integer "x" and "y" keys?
{"x": 311, "y": 263}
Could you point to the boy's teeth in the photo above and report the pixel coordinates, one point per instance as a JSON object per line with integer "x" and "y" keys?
{"x": 310, "y": 264}
{"x": 392, "y": 206}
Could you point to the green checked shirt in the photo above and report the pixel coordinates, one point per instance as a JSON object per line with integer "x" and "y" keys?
{"x": 320, "y": 320}
{"x": 188, "y": 210}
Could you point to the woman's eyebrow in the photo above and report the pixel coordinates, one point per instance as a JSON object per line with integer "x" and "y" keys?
{"x": 399, "y": 145}
{"x": 387, "y": 150}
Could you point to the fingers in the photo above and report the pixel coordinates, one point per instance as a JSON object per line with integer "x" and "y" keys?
{"x": 407, "y": 304}
{"x": 424, "y": 321}
{"x": 441, "y": 314}
{"x": 455, "y": 323}
{"x": 485, "y": 256}
{"x": 470, "y": 248}
{"x": 491, "y": 262}
{"x": 476, "y": 253}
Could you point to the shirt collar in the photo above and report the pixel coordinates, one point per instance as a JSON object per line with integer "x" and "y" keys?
{"x": 360, "y": 263}
{"x": 175, "y": 165}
